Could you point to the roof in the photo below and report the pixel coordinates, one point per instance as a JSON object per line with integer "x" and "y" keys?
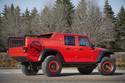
{"x": 58, "y": 33}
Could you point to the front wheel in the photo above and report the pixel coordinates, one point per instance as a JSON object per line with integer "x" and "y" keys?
{"x": 107, "y": 66}
{"x": 51, "y": 66}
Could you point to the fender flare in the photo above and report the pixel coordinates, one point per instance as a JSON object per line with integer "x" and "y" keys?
{"x": 43, "y": 54}
{"x": 102, "y": 54}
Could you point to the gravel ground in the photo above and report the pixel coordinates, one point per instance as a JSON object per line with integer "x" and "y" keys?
{"x": 68, "y": 75}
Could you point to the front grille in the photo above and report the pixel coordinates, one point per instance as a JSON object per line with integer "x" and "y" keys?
{"x": 15, "y": 42}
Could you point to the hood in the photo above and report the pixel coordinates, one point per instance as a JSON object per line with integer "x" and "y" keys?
{"x": 103, "y": 49}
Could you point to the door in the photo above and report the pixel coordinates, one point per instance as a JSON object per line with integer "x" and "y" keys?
{"x": 85, "y": 52}
{"x": 69, "y": 52}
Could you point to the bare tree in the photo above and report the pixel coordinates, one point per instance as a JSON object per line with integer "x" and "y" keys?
{"x": 85, "y": 19}
{"x": 47, "y": 20}
{"x": 106, "y": 36}
{"x": 59, "y": 18}
{"x": 26, "y": 23}
{"x": 35, "y": 22}
{"x": 63, "y": 15}
{"x": 88, "y": 19}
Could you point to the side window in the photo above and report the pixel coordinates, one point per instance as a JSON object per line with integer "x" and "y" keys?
{"x": 83, "y": 41}
{"x": 69, "y": 40}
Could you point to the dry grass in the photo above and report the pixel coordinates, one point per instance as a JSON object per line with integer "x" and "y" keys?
{"x": 6, "y": 62}
{"x": 120, "y": 61}
{"x": 9, "y": 64}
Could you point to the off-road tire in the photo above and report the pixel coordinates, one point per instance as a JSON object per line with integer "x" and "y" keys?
{"x": 48, "y": 63}
{"x": 107, "y": 66}
{"x": 28, "y": 71}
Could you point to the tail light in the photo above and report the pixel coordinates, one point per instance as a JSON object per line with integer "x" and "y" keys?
{"x": 25, "y": 49}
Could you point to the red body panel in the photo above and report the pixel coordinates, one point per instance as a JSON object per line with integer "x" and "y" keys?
{"x": 56, "y": 41}
{"x": 18, "y": 51}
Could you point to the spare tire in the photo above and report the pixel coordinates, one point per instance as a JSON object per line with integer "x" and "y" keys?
{"x": 36, "y": 45}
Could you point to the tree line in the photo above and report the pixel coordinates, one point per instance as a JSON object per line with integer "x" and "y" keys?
{"x": 103, "y": 28}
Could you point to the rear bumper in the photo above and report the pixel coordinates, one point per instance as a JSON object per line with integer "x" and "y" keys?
{"x": 17, "y": 54}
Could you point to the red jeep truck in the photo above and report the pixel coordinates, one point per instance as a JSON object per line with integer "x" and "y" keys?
{"x": 50, "y": 52}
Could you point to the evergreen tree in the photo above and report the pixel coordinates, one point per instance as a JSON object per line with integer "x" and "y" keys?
{"x": 5, "y": 11}
{"x": 3, "y": 24}
{"x": 26, "y": 13}
{"x": 18, "y": 20}
{"x": 10, "y": 22}
{"x": 108, "y": 11}
{"x": 109, "y": 18}
{"x": 35, "y": 21}
{"x": 64, "y": 12}
{"x": 33, "y": 12}
{"x": 12, "y": 9}
{"x": 0, "y": 21}
{"x": 0, "y": 31}
{"x": 121, "y": 17}
{"x": 26, "y": 21}
{"x": 120, "y": 29}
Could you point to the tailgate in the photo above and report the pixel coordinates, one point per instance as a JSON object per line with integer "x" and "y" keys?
{"x": 16, "y": 45}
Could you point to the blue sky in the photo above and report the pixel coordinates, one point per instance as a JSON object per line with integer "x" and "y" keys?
{"x": 39, "y": 4}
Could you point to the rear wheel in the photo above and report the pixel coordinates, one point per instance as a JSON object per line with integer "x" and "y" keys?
{"x": 85, "y": 70}
{"x": 28, "y": 70}
{"x": 106, "y": 66}
{"x": 51, "y": 66}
